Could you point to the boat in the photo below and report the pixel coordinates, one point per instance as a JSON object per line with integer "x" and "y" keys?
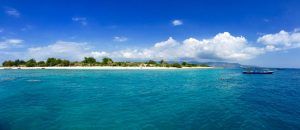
{"x": 263, "y": 72}
{"x": 257, "y": 71}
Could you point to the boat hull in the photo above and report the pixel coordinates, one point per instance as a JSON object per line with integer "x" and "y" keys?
{"x": 258, "y": 72}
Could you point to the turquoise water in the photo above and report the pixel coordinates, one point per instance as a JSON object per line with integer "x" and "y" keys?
{"x": 148, "y": 99}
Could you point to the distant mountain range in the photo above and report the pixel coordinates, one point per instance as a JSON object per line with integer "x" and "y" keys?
{"x": 225, "y": 64}
{"x": 229, "y": 65}
{"x": 219, "y": 64}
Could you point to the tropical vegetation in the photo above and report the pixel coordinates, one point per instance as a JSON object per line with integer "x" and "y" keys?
{"x": 90, "y": 61}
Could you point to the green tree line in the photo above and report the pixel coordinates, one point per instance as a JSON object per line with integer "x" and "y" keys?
{"x": 90, "y": 61}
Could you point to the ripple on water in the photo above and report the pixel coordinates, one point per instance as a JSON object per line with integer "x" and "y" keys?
{"x": 7, "y": 79}
{"x": 33, "y": 80}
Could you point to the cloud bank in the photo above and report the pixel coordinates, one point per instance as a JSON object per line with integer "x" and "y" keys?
{"x": 60, "y": 49}
{"x": 221, "y": 47}
{"x": 281, "y": 41}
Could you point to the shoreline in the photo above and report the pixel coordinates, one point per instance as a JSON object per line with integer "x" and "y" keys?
{"x": 99, "y": 68}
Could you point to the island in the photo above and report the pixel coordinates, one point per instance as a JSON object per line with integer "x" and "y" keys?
{"x": 92, "y": 63}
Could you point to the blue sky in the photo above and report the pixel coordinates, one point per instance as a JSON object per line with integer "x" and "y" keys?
{"x": 153, "y": 29}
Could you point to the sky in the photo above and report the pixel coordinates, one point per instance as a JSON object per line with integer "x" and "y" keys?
{"x": 253, "y": 32}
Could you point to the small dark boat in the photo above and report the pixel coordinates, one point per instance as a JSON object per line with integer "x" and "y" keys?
{"x": 257, "y": 71}
{"x": 262, "y": 72}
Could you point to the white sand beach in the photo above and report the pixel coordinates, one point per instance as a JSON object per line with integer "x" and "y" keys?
{"x": 102, "y": 68}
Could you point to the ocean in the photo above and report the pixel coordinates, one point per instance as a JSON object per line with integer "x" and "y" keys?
{"x": 149, "y": 99}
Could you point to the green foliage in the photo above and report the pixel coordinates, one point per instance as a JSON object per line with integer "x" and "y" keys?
{"x": 89, "y": 61}
{"x": 8, "y": 63}
{"x": 177, "y": 65}
{"x": 65, "y": 63}
{"x": 19, "y": 62}
{"x": 41, "y": 64}
{"x": 151, "y": 62}
{"x": 107, "y": 61}
{"x": 31, "y": 63}
{"x": 16, "y": 63}
{"x": 57, "y": 62}
{"x": 163, "y": 63}
{"x": 204, "y": 65}
{"x": 51, "y": 62}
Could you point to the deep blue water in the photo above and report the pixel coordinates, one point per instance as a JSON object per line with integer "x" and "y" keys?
{"x": 149, "y": 99}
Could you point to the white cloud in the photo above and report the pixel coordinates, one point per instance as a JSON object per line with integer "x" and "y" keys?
{"x": 7, "y": 43}
{"x": 14, "y": 41}
{"x": 120, "y": 39}
{"x": 10, "y": 55}
{"x": 223, "y": 46}
{"x": 65, "y": 50}
{"x": 97, "y": 54}
{"x": 81, "y": 20}
{"x": 169, "y": 43}
{"x": 12, "y": 12}
{"x": 281, "y": 41}
{"x": 60, "y": 49}
{"x": 177, "y": 22}
{"x": 3, "y": 46}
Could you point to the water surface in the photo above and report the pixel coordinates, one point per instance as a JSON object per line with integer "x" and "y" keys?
{"x": 149, "y": 99}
